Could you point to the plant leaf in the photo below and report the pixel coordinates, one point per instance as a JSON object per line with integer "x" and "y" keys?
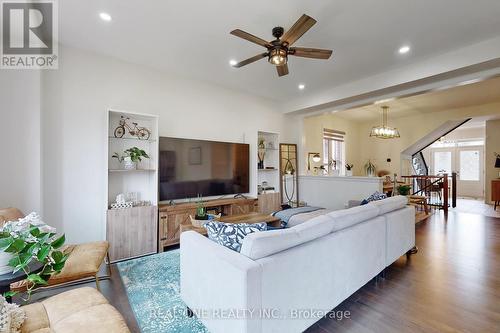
{"x": 57, "y": 256}
{"x": 16, "y": 246}
{"x": 58, "y": 242}
{"x": 5, "y": 242}
{"x": 43, "y": 253}
{"x": 35, "y": 231}
{"x": 9, "y": 294}
{"x": 36, "y": 279}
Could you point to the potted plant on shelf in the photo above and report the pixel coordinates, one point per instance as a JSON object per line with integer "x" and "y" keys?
{"x": 131, "y": 157}
{"x": 404, "y": 189}
{"x": 348, "y": 169}
{"x": 370, "y": 169}
{"x": 333, "y": 164}
{"x": 200, "y": 216}
{"x": 28, "y": 241}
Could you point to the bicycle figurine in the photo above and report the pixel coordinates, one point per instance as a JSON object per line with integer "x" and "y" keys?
{"x": 142, "y": 133}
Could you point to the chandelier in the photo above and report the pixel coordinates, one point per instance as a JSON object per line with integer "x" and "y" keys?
{"x": 384, "y": 131}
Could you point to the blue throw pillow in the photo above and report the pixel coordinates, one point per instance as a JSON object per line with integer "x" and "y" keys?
{"x": 231, "y": 235}
{"x": 374, "y": 197}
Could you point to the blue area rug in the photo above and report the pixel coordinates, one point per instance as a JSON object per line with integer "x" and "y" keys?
{"x": 153, "y": 290}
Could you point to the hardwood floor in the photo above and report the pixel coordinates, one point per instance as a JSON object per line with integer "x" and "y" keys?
{"x": 451, "y": 285}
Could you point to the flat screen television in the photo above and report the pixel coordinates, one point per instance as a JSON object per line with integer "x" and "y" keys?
{"x": 188, "y": 168}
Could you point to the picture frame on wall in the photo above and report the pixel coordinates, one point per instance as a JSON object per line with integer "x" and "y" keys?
{"x": 194, "y": 157}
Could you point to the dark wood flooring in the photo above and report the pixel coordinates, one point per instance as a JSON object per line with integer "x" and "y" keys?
{"x": 451, "y": 285}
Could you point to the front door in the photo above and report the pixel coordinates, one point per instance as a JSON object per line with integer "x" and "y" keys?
{"x": 470, "y": 181}
{"x": 467, "y": 162}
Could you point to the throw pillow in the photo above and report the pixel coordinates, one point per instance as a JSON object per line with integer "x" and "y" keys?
{"x": 374, "y": 197}
{"x": 11, "y": 317}
{"x": 231, "y": 235}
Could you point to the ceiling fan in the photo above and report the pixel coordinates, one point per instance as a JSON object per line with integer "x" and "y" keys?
{"x": 279, "y": 49}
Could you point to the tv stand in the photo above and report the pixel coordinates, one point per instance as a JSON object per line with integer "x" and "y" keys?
{"x": 172, "y": 216}
{"x": 239, "y": 195}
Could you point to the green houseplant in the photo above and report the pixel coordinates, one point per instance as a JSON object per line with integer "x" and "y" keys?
{"x": 201, "y": 213}
{"x": 404, "y": 189}
{"x": 131, "y": 157}
{"x": 29, "y": 240}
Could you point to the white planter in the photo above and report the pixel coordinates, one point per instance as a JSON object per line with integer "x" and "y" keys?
{"x": 348, "y": 173}
{"x": 335, "y": 172}
{"x": 4, "y": 263}
{"x": 128, "y": 164}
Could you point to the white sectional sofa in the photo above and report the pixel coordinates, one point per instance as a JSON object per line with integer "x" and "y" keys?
{"x": 284, "y": 280}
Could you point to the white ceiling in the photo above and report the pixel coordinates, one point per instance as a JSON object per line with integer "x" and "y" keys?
{"x": 479, "y": 93}
{"x": 191, "y": 38}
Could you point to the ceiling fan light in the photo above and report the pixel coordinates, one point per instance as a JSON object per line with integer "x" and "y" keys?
{"x": 278, "y": 57}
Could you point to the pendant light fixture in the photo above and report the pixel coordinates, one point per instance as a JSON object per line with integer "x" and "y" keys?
{"x": 384, "y": 131}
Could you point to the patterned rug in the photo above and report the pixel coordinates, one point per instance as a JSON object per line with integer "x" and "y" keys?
{"x": 153, "y": 290}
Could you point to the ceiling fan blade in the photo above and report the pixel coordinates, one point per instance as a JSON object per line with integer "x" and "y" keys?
{"x": 282, "y": 70}
{"x": 308, "y": 52}
{"x": 299, "y": 28}
{"x": 250, "y": 60}
{"x": 250, "y": 38}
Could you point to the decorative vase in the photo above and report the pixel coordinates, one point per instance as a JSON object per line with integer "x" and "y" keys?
{"x": 348, "y": 173}
{"x": 4, "y": 263}
{"x": 335, "y": 172}
{"x": 129, "y": 164}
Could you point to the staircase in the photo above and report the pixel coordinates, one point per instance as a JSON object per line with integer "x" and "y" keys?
{"x": 420, "y": 167}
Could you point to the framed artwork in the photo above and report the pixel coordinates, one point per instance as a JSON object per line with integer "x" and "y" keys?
{"x": 194, "y": 157}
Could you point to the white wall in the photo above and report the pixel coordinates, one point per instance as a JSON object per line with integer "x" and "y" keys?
{"x": 20, "y": 180}
{"x": 334, "y": 192}
{"x": 74, "y": 104}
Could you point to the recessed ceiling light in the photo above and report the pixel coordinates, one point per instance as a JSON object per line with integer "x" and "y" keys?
{"x": 404, "y": 49}
{"x": 232, "y": 62}
{"x": 105, "y": 16}
{"x": 302, "y": 86}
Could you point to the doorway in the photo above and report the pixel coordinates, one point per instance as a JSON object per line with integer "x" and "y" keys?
{"x": 466, "y": 158}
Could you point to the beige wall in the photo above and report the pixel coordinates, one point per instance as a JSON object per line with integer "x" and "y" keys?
{"x": 360, "y": 147}
{"x": 492, "y": 145}
{"x": 313, "y": 138}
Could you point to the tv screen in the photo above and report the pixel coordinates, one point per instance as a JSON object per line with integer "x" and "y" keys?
{"x": 188, "y": 168}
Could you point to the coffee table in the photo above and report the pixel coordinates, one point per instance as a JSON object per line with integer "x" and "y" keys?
{"x": 250, "y": 218}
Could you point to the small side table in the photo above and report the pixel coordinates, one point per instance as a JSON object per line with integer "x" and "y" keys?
{"x": 495, "y": 192}
{"x": 8, "y": 278}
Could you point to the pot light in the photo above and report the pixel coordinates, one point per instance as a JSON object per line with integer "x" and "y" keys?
{"x": 302, "y": 86}
{"x": 105, "y": 16}
{"x": 404, "y": 49}
{"x": 232, "y": 62}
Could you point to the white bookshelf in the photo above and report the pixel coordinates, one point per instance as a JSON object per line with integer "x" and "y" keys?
{"x": 270, "y": 172}
{"x": 143, "y": 181}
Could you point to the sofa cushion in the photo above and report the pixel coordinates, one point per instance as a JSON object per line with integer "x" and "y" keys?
{"x": 99, "y": 318}
{"x": 231, "y": 235}
{"x": 390, "y": 204}
{"x": 263, "y": 244}
{"x": 37, "y": 318}
{"x": 76, "y": 311}
{"x": 348, "y": 217}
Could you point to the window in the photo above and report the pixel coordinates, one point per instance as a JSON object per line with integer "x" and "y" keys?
{"x": 334, "y": 150}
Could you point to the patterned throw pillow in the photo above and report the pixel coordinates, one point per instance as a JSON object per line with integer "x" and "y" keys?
{"x": 374, "y": 197}
{"x": 231, "y": 235}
